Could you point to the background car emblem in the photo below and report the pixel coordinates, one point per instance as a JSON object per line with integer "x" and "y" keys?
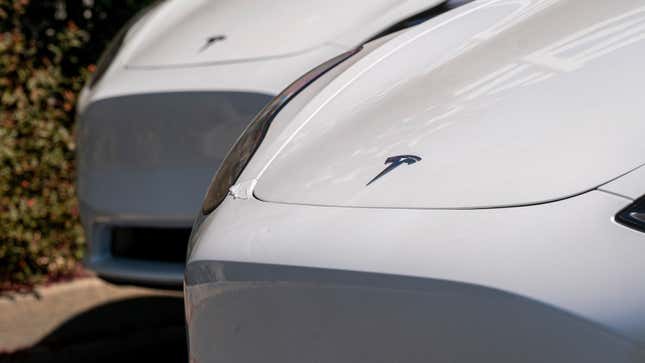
{"x": 395, "y": 162}
{"x": 212, "y": 40}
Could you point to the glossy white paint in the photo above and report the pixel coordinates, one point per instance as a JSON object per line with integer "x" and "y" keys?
{"x": 503, "y": 110}
{"x": 158, "y": 123}
{"x": 267, "y": 44}
{"x": 568, "y": 254}
{"x": 267, "y": 76}
{"x": 177, "y": 32}
{"x": 534, "y": 103}
{"x": 630, "y": 186}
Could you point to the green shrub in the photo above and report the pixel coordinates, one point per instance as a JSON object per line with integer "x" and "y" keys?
{"x": 47, "y": 51}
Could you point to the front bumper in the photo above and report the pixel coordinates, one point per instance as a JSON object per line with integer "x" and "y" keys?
{"x": 556, "y": 282}
{"x": 260, "y": 313}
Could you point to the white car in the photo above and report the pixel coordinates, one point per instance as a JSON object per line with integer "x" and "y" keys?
{"x": 171, "y": 95}
{"x": 466, "y": 190}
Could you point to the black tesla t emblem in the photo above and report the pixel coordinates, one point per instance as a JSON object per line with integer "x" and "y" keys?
{"x": 395, "y": 162}
{"x": 212, "y": 40}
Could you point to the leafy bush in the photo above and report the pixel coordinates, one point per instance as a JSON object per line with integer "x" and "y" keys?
{"x": 47, "y": 51}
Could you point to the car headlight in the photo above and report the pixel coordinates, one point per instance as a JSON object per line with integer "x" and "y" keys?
{"x": 252, "y": 137}
{"x": 113, "y": 48}
{"x": 634, "y": 215}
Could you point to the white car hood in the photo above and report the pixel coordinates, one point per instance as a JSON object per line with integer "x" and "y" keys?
{"x": 507, "y": 103}
{"x": 177, "y": 33}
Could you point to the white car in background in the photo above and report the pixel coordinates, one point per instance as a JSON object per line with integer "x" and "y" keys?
{"x": 467, "y": 190}
{"x": 171, "y": 95}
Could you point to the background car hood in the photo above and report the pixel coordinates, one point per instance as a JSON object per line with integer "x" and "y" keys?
{"x": 177, "y": 33}
{"x": 507, "y": 103}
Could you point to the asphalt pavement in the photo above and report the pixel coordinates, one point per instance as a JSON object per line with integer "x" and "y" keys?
{"x": 89, "y": 320}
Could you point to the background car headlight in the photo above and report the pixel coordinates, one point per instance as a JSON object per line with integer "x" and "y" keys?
{"x": 252, "y": 137}
{"x": 634, "y": 215}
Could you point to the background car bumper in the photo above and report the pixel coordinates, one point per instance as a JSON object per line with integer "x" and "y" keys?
{"x": 144, "y": 163}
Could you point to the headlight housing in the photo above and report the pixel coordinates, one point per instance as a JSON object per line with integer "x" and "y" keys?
{"x": 634, "y": 215}
{"x": 246, "y": 145}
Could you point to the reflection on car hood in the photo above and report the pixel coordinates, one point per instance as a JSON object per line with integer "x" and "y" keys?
{"x": 506, "y": 103}
{"x": 195, "y": 32}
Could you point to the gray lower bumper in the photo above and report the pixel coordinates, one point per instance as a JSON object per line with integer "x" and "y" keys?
{"x": 239, "y": 312}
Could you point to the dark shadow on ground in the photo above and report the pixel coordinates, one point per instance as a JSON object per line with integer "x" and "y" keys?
{"x": 132, "y": 330}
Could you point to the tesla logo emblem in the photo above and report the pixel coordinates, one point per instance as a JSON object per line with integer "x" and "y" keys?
{"x": 212, "y": 40}
{"x": 395, "y": 162}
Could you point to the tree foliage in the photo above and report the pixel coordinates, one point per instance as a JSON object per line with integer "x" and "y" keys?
{"x": 47, "y": 51}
